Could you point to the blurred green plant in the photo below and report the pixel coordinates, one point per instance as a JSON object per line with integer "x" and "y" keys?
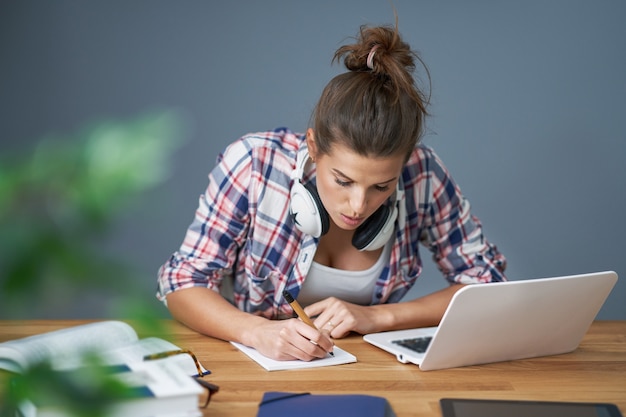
{"x": 89, "y": 391}
{"x": 58, "y": 201}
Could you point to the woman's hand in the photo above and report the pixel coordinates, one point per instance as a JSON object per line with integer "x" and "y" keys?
{"x": 207, "y": 312}
{"x": 291, "y": 339}
{"x": 339, "y": 318}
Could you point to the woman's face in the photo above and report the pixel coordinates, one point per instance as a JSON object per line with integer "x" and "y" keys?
{"x": 351, "y": 186}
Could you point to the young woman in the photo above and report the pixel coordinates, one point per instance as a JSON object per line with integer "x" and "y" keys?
{"x": 334, "y": 215}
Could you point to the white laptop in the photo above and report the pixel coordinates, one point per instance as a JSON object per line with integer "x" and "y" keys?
{"x": 503, "y": 321}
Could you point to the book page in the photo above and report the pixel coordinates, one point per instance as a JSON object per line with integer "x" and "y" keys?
{"x": 115, "y": 342}
{"x": 341, "y": 357}
{"x": 161, "y": 380}
{"x": 135, "y": 352}
{"x": 64, "y": 347}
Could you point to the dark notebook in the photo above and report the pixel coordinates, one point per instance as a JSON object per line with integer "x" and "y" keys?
{"x": 277, "y": 404}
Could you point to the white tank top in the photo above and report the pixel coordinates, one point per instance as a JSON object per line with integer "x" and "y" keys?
{"x": 352, "y": 286}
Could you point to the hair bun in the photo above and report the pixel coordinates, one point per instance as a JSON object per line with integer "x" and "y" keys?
{"x": 378, "y": 49}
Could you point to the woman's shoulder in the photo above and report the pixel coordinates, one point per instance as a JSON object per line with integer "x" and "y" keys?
{"x": 262, "y": 156}
{"x": 421, "y": 157}
{"x": 424, "y": 164}
{"x": 282, "y": 141}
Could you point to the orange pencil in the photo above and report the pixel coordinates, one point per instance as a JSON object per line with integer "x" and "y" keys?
{"x": 297, "y": 308}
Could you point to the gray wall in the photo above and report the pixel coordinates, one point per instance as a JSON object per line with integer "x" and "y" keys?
{"x": 528, "y": 104}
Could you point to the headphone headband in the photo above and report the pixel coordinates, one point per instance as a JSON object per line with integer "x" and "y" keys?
{"x": 301, "y": 160}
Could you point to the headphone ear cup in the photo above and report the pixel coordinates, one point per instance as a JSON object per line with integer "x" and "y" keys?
{"x": 323, "y": 214}
{"x": 307, "y": 210}
{"x": 376, "y": 230}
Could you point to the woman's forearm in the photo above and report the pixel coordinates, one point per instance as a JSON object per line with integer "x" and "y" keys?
{"x": 207, "y": 312}
{"x": 425, "y": 311}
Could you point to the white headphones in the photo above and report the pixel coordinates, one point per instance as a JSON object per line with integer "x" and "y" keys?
{"x": 311, "y": 217}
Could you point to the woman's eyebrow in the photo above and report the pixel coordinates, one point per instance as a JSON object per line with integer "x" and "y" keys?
{"x": 341, "y": 174}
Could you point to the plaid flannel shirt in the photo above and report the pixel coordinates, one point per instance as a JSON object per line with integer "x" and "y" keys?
{"x": 242, "y": 230}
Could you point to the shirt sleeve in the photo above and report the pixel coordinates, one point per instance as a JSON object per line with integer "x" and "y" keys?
{"x": 209, "y": 249}
{"x": 455, "y": 236}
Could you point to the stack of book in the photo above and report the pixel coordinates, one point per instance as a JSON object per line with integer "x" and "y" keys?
{"x": 163, "y": 387}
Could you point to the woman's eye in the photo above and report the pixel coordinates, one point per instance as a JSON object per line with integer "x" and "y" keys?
{"x": 381, "y": 188}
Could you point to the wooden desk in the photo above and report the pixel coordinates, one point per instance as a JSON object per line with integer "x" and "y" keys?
{"x": 595, "y": 372}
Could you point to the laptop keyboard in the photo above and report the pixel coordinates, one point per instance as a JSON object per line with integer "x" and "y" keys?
{"x": 417, "y": 344}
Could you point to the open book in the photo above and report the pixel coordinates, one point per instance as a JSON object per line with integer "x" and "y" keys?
{"x": 161, "y": 387}
{"x": 340, "y": 357}
{"x": 115, "y": 342}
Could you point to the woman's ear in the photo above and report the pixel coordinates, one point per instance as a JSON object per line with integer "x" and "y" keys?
{"x": 310, "y": 143}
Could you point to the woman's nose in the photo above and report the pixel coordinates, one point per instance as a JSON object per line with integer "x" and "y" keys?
{"x": 358, "y": 202}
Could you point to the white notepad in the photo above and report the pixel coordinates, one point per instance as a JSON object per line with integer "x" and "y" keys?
{"x": 341, "y": 357}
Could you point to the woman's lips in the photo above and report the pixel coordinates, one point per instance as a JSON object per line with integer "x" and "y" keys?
{"x": 351, "y": 221}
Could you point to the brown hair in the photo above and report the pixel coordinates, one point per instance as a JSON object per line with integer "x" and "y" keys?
{"x": 377, "y": 110}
